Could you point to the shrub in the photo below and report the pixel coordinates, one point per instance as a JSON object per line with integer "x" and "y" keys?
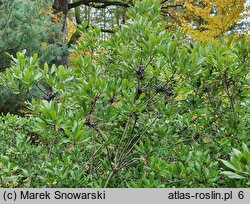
{"x": 143, "y": 109}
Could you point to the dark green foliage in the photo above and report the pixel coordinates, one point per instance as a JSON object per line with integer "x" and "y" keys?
{"x": 27, "y": 25}
{"x": 143, "y": 109}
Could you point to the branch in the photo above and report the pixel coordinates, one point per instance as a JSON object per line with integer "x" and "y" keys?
{"x": 107, "y": 30}
{"x": 104, "y": 3}
{"x": 172, "y": 6}
{"x": 124, "y": 154}
{"x": 112, "y": 173}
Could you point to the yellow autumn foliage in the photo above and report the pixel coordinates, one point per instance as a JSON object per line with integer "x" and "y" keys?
{"x": 205, "y": 19}
{"x": 71, "y": 28}
{"x": 217, "y": 17}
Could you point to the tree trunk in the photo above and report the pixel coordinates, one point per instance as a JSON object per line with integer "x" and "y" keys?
{"x": 62, "y": 6}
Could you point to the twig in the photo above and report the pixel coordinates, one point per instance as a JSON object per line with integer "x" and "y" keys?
{"x": 122, "y": 138}
{"x": 124, "y": 156}
{"x": 109, "y": 178}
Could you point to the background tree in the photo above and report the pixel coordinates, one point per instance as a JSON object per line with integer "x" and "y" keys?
{"x": 204, "y": 20}
{"x": 27, "y": 25}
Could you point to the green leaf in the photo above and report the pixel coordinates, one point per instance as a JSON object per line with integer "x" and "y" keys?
{"x": 229, "y": 165}
{"x": 200, "y": 61}
{"x": 232, "y": 175}
{"x": 237, "y": 153}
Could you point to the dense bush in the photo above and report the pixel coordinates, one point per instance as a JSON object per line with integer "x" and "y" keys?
{"x": 144, "y": 109}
